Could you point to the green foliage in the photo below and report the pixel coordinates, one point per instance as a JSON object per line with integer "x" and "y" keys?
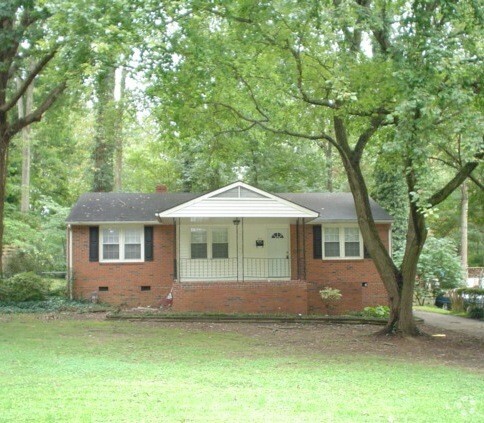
{"x": 23, "y": 287}
{"x": 39, "y": 236}
{"x": 475, "y": 312}
{"x": 438, "y": 268}
{"x": 52, "y": 304}
{"x": 439, "y": 261}
{"x": 330, "y": 294}
{"x": 378, "y": 311}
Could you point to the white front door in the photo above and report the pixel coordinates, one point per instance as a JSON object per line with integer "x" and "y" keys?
{"x": 278, "y": 253}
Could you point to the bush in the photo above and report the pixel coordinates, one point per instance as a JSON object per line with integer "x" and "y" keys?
{"x": 378, "y": 311}
{"x": 23, "y": 287}
{"x": 27, "y": 261}
{"x": 475, "y": 312}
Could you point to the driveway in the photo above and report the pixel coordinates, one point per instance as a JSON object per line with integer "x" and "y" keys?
{"x": 448, "y": 322}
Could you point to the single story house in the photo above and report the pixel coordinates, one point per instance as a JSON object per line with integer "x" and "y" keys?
{"x": 237, "y": 249}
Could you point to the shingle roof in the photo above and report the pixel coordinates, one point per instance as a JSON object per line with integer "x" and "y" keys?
{"x": 123, "y": 207}
{"x": 96, "y": 207}
{"x": 335, "y": 206}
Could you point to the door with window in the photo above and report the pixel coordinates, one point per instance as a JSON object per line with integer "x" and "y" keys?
{"x": 278, "y": 253}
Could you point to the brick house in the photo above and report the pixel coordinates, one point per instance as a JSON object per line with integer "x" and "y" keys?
{"x": 235, "y": 249}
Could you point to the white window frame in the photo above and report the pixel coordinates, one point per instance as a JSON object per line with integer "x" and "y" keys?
{"x": 341, "y": 228}
{"x": 122, "y": 230}
{"x": 210, "y": 230}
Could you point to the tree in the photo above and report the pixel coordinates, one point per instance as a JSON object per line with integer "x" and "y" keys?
{"x": 303, "y": 71}
{"x": 21, "y": 21}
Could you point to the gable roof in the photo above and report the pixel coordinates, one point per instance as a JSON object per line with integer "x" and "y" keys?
{"x": 239, "y": 200}
{"x": 95, "y": 207}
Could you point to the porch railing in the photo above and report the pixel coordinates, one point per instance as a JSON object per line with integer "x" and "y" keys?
{"x": 233, "y": 268}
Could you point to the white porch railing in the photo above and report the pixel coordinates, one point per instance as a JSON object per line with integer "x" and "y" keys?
{"x": 246, "y": 268}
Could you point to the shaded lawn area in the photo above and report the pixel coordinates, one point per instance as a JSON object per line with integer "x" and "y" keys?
{"x": 92, "y": 370}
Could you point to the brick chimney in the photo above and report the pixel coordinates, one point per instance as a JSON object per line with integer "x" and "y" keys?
{"x": 161, "y": 189}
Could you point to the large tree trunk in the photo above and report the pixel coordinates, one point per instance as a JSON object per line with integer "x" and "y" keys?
{"x": 399, "y": 284}
{"x": 328, "y": 155}
{"x": 464, "y": 209}
{"x": 25, "y": 107}
{"x": 3, "y": 181}
{"x": 103, "y": 180}
{"x": 118, "y": 141}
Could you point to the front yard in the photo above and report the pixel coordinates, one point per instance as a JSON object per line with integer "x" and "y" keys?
{"x": 70, "y": 369}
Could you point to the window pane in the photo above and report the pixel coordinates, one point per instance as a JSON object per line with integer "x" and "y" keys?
{"x": 111, "y": 251}
{"x": 331, "y": 234}
{"x": 352, "y": 235}
{"x": 110, "y": 236}
{"x": 331, "y": 249}
{"x": 352, "y": 249}
{"x": 199, "y": 251}
{"x": 132, "y": 251}
{"x": 132, "y": 236}
{"x": 220, "y": 236}
{"x": 198, "y": 236}
{"x": 220, "y": 250}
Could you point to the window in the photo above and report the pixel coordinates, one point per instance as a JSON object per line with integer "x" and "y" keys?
{"x": 331, "y": 242}
{"x": 220, "y": 243}
{"x": 342, "y": 242}
{"x": 122, "y": 244}
{"x": 352, "y": 242}
{"x": 216, "y": 238}
{"x": 198, "y": 243}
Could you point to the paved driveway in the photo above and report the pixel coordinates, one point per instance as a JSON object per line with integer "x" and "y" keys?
{"x": 448, "y": 322}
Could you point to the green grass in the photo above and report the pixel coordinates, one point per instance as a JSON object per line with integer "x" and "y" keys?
{"x": 98, "y": 371}
{"x": 434, "y": 309}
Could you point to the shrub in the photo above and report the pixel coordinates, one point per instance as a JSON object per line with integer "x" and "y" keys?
{"x": 475, "y": 312}
{"x": 23, "y": 287}
{"x": 378, "y": 311}
{"x": 27, "y": 261}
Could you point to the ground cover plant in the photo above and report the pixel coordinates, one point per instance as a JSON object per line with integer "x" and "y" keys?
{"x": 79, "y": 368}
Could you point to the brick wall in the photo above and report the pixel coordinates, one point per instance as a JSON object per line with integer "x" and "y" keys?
{"x": 348, "y": 276}
{"x": 241, "y": 297}
{"x": 124, "y": 280}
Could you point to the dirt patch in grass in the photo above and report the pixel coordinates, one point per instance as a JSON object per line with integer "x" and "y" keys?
{"x": 453, "y": 349}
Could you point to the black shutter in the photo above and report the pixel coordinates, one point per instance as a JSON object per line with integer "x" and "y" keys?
{"x": 93, "y": 243}
{"x": 366, "y": 253}
{"x": 148, "y": 243}
{"x": 317, "y": 242}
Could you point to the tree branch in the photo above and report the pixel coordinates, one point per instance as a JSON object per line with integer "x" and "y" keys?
{"x": 365, "y": 137}
{"x": 37, "y": 114}
{"x": 30, "y": 77}
{"x": 455, "y": 182}
{"x": 263, "y": 124}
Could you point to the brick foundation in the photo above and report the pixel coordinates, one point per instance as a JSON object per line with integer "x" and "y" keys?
{"x": 241, "y": 297}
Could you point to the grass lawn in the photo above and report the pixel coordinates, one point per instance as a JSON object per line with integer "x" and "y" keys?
{"x": 70, "y": 370}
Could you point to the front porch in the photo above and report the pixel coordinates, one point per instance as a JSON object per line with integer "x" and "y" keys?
{"x": 240, "y": 249}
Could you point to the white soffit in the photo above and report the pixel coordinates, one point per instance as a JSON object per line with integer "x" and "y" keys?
{"x": 238, "y": 200}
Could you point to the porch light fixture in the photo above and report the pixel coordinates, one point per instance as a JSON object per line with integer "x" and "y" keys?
{"x": 236, "y": 221}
